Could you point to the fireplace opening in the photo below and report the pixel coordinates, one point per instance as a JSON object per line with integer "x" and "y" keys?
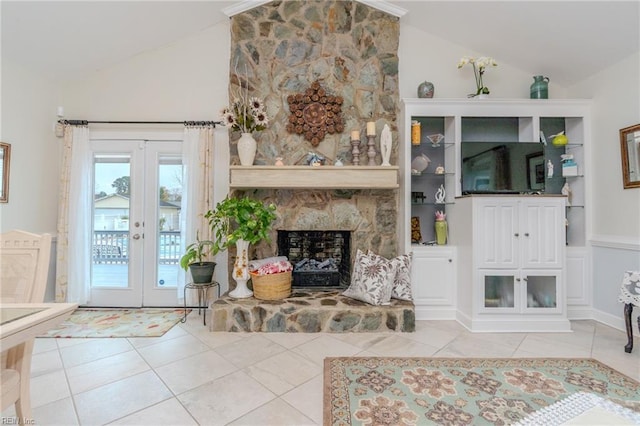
{"x": 320, "y": 259}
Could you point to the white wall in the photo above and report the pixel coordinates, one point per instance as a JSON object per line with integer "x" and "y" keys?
{"x": 426, "y": 57}
{"x": 186, "y": 80}
{"x": 28, "y": 117}
{"x": 616, "y": 104}
{"x": 616, "y": 219}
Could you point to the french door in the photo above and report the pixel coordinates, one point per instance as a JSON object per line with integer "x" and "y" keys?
{"x": 136, "y": 223}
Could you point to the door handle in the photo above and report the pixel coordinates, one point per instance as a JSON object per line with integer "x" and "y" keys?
{"x": 516, "y": 235}
{"x": 136, "y": 236}
{"x": 526, "y": 234}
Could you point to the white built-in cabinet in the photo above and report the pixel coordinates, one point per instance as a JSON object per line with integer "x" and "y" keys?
{"x": 553, "y": 258}
{"x": 512, "y": 253}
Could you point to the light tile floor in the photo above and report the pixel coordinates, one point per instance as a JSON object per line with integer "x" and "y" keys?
{"x": 192, "y": 376}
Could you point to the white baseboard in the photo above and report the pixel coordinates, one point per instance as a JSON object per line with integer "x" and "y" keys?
{"x": 614, "y": 321}
{"x": 424, "y": 313}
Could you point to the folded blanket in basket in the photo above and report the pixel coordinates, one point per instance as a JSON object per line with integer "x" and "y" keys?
{"x": 274, "y": 268}
{"x": 255, "y": 264}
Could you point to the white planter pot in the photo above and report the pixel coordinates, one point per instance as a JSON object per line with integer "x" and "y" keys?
{"x": 241, "y": 271}
{"x": 247, "y": 149}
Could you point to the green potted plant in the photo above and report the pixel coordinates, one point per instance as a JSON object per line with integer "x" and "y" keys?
{"x": 194, "y": 261}
{"x": 240, "y": 221}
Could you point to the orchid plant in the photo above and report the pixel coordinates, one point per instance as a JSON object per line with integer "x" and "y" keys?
{"x": 479, "y": 67}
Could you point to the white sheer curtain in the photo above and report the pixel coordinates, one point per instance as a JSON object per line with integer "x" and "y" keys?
{"x": 74, "y": 222}
{"x": 197, "y": 178}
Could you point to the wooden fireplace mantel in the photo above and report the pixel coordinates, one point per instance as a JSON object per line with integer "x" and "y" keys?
{"x": 322, "y": 177}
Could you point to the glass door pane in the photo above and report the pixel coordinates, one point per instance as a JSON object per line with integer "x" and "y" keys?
{"x": 110, "y": 247}
{"x": 541, "y": 291}
{"x": 168, "y": 226}
{"x": 499, "y": 291}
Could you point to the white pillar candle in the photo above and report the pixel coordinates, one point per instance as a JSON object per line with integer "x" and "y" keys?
{"x": 371, "y": 128}
{"x": 355, "y": 135}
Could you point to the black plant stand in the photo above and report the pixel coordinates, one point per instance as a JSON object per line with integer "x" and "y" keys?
{"x": 203, "y": 297}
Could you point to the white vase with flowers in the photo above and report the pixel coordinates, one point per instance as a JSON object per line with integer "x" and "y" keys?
{"x": 246, "y": 115}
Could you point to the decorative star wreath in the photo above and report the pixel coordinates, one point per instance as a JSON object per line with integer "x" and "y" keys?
{"x": 314, "y": 114}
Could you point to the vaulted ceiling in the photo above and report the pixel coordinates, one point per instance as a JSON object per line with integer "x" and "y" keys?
{"x": 570, "y": 40}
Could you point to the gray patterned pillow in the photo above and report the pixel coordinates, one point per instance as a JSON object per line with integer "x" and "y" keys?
{"x": 401, "y": 266}
{"x": 371, "y": 281}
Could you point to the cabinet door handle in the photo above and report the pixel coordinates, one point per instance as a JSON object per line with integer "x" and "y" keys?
{"x": 526, "y": 234}
{"x": 516, "y": 235}
{"x": 525, "y": 279}
{"x": 450, "y": 260}
{"x": 518, "y": 279}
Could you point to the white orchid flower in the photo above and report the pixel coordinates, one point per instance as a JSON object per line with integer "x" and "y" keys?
{"x": 464, "y": 61}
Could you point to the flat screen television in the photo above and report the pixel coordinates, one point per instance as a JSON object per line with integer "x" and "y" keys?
{"x": 502, "y": 167}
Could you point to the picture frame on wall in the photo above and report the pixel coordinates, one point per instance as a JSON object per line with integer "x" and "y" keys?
{"x": 535, "y": 171}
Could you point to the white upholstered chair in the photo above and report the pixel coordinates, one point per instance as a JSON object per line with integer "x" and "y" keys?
{"x": 24, "y": 267}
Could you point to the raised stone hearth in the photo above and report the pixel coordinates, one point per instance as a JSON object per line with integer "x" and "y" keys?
{"x": 311, "y": 312}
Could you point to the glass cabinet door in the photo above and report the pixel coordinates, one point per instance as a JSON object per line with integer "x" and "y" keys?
{"x": 499, "y": 291}
{"x": 542, "y": 290}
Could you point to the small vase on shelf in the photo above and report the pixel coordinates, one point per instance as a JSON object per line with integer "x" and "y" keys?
{"x": 441, "y": 228}
{"x": 247, "y": 149}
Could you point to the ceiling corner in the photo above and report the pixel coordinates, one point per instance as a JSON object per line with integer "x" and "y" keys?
{"x": 385, "y": 6}
{"x": 243, "y": 6}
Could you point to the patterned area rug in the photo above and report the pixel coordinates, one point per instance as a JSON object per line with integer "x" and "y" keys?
{"x": 148, "y": 322}
{"x": 461, "y": 391}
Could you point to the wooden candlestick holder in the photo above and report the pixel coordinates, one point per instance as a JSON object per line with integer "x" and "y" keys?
{"x": 371, "y": 150}
{"x": 355, "y": 151}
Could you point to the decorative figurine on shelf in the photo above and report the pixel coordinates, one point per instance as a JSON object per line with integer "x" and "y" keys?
{"x": 439, "y": 170}
{"x": 314, "y": 159}
{"x": 420, "y": 164}
{"x": 338, "y": 163}
{"x": 435, "y": 139}
{"x": 385, "y": 145}
{"x": 569, "y": 166}
{"x": 566, "y": 191}
{"x": 425, "y": 89}
{"x": 559, "y": 139}
{"x": 543, "y": 139}
{"x": 416, "y": 235}
{"x": 549, "y": 168}
{"x": 440, "y": 195}
{"x": 441, "y": 228}
{"x": 279, "y": 161}
{"x": 417, "y": 197}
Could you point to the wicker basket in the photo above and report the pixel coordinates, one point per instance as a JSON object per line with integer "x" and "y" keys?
{"x": 272, "y": 286}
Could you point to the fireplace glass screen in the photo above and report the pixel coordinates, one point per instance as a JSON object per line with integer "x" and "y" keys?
{"x": 319, "y": 258}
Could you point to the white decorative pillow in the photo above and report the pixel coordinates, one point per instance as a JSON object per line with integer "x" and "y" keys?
{"x": 371, "y": 281}
{"x": 401, "y": 266}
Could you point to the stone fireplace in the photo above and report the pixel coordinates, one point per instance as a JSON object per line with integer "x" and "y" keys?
{"x": 279, "y": 49}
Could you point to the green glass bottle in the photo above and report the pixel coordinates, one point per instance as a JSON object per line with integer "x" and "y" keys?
{"x": 540, "y": 87}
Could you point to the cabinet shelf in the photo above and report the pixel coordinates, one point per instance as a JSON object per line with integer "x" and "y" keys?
{"x": 429, "y": 145}
{"x": 431, "y": 203}
{"x": 430, "y": 174}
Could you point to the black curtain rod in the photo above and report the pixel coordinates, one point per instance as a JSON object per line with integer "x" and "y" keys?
{"x": 186, "y": 123}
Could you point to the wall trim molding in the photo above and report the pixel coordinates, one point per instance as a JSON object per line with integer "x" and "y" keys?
{"x": 382, "y": 5}
{"x": 615, "y": 242}
{"x": 385, "y": 6}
